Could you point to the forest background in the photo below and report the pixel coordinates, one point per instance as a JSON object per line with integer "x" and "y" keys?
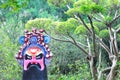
{"x": 85, "y": 37}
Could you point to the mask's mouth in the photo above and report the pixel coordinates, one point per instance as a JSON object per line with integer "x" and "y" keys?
{"x": 37, "y": 65}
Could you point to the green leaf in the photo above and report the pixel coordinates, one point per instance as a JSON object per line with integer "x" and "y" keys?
{"x": 80, "y": 30}
{"x": 85, "y": 7}
{"x": 83, "y": 31}
{"x": 60, "y": 3}
{"x": 66, "y": 26}
{"x": 104, "y": 33}
{"x": 39, "y": 23}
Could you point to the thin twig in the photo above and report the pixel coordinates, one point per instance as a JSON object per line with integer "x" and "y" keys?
{"x": 75, "y": 43}
{"x": 97, "y": 19}
{"x": 117, "y": 17}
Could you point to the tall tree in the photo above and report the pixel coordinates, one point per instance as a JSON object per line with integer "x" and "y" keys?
{"x": 87, "y": 12}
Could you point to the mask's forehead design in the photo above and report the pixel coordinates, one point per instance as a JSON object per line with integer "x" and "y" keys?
{"x": 34, "y": 49}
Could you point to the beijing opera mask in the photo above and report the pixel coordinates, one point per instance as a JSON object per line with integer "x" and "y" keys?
{"x": 33, "y": 54}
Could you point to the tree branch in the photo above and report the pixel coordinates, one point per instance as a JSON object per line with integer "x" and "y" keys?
{"x": 111, "y": 50}
{"x": 103, "y": 45}
{"x": 114, "y": 19}
{"x": 76, "y": 44}
{"x": 82, "y": 44}
{"x": 61, "y": 40}
{"x": 93, "y": 35}
{"x": 99, "y": 65}
{"x": 74, "y": 14}
{"x": 111, "y": 74}
{"x": 118, "y": 30}
{"x": 84, "y": 23}
{"x": 113, "y": 41}
{"x": 72, "y": 38}
{"x": 57, "y": 38}
{"x": 115, "y": 46}
{"x": 99, "y": 20}
{"x": 116, "y": 12}
{"x": 100, "y": 14}
{"x": 108, "y": 13}
{"x": 101, "y": 42}
{"x": 106, "y": 70}
{"x": 89, "y": 47}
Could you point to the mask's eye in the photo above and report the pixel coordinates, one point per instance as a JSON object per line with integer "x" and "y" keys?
{"x": 27, "y": 57}
{"x": 39, "y": 56}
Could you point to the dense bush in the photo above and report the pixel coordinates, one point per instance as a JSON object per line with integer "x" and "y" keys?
{"x": 9, "y": 69}
{"x": 67, "y": 61}
{"x": 10, "y": 32}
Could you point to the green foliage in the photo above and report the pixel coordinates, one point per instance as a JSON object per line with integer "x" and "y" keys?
{"x": 113, "y": 3}
{"x": 69, "y": 77}
{"x": 67, "y": 26}
{"x": 118, "y": 37}
{"x": 83, "y": 31}
{"x": 85, "y": 7}
{"x": 39, "y": 9}
{"x": 60, "y": 3}
{"x": 9, "y": 69}
{"x": 104, "y": 33}
{"x": 63, "y": 58}
{"x": 108, "y": 18}
{"x": 80, "y": 30}
{"x": 39, "y": 23}
{"x": 67, "y": 64}
{"x": 72, "y": 11}
{"x": 11, "y": 28}
{"x": 10, "y": 31}
{"x": 14, "y": 5}
{"x": 96, "y": 8}
{"x": 82, "y": 2}
{"x": 100, "y": 25}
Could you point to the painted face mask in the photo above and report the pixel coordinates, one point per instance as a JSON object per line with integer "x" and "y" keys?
{"x": 34, "y": 57}
{"x": 34, "y": 53}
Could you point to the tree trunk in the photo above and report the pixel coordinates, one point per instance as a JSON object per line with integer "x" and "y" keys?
{"x": 111, "y": 75}
{"x": 93, "y": 67}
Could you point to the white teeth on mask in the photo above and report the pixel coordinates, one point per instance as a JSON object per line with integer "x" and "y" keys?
{"x": 33, "y": 63}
